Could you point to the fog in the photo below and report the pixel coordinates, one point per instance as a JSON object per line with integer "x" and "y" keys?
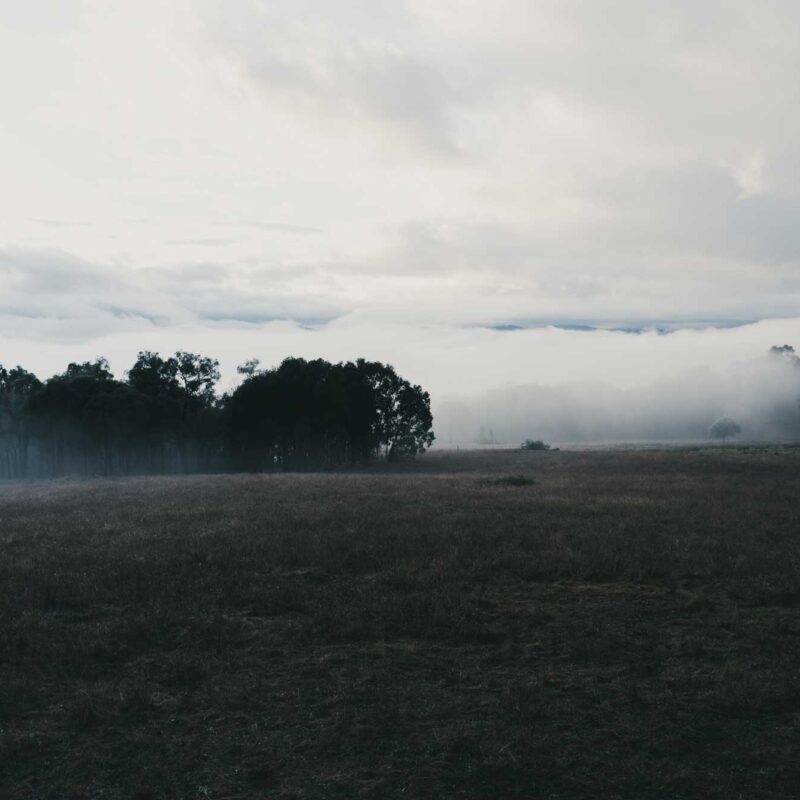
{"x": 760, "y": 394}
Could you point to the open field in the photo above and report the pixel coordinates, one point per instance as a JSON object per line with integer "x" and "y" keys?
{"x": 613, "y": 624}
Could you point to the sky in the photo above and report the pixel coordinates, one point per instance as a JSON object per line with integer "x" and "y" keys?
{"x": 482, "y": 193}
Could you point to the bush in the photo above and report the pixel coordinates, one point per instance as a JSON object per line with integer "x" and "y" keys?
{"x": 534, "y": 444}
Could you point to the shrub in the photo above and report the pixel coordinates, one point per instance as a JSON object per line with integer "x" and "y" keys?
{"x": 534, "y": 444}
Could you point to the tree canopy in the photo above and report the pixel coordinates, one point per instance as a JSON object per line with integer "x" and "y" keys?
{"x": 165, "y": 415}
{"x": 313, "y": 413}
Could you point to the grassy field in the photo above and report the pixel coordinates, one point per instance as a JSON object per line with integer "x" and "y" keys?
{"x": 479, "y": 625}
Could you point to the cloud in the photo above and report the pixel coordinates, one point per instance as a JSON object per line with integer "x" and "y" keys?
{"x": 72, "y": 298}
{"x": 359, "y": 62}
{"x": 400, "y": 166}
{"x": 45, "y": 272}
{"x": 61, "y": 223}
{"x": 749, "y": 174}
{"x": 457, "y": 365}
{"x": 282, "y": 227}
{"x": 201, "y": 242}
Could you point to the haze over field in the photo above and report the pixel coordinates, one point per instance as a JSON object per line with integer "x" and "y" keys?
{"x": 594, "y": 201}
{"x": 761, "y": 395}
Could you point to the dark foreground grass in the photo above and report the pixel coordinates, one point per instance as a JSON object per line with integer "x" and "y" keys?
{"x": 625, "y": 626}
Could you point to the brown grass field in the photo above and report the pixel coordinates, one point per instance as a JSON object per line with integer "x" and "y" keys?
{"x": 622, "y": 624}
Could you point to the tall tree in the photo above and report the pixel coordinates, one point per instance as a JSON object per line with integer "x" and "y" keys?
{"x": 17, "y": 387}
{"x": 197, "y": 375}
{"x": 77, "y": 417}
{"x": 307, "y": 414}
{"x": 404, "y": 421}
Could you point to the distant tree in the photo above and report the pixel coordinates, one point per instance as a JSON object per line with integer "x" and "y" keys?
{"x": 723, "y": 428}
{"x": 198, "y": 375}
{"x": 249, "y": 368}
{"x": 786, "y": 352}
{"x": 786, "y": 416}
{"x": 153, "y": 375}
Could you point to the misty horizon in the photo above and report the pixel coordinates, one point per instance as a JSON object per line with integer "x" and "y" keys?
{"x": 759, "y": 394}
{"x": 459, "y": 194}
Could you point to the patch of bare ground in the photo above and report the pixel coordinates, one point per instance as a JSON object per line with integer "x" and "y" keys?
{"x": 617, "y": 624}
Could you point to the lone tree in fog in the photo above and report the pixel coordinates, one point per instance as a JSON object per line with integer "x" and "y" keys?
{"x": 723, "y": 428}
{"x": 785, "y": 351}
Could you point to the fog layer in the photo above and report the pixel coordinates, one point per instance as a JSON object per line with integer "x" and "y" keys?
{"x": 760, "y": 394}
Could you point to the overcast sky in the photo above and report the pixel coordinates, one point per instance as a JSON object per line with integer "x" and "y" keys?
{"x": 402, "y": 179}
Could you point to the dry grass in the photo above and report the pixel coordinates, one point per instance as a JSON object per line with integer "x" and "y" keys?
{"x": 626, "y": 626}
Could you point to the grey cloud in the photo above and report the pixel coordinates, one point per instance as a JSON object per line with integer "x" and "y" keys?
{"x": 25, "y": 313}
{"x": 210, "y": 242}
{"x": 282, "y": 227}
{"x": 57, "y": 287}
{"x": 256, "y": 316}
{"x": 699, "y": 209}
{"x": 46, "y": 271}
{"x": 62, "y": 223}
{"x": 251, "y": 304}
{"x": 53, "y": 17}
{"x": 645, "y": 112}
{"x": 372, "y": 69}
{"x": 660, "y": 327}
{"x": 189, "y": 273}
{"x": 766, "y": 229}
{"x": 124, "y": 312}
{"x": 246, "y": 293}
{"x": 618, "y": 164}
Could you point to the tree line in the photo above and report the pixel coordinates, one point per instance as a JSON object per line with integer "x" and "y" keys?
{"x": 165, "y": 416}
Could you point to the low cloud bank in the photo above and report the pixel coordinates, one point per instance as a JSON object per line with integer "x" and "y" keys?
{"x": 761, "y": 395}
{"x": 494, "y": 386}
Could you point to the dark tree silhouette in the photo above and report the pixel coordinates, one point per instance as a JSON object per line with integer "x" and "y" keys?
{"x": 404, "y": 420}
{"x": 80, "y": 415}
{"x": 310, "y": 414}
{"x": 166, "y": 417}
{"x": 182, "y": 406}
{"x": 197, "y": 376}
{"x": 153, "y": 376}
{"x": 784, "y": 350}
{"x": 249, "y": 368}
{"x": 154, "y": 380}
{"x": 17, "y": 387}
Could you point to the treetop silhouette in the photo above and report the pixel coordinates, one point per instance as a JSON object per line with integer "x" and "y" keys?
{"x": 165, "y": 416}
